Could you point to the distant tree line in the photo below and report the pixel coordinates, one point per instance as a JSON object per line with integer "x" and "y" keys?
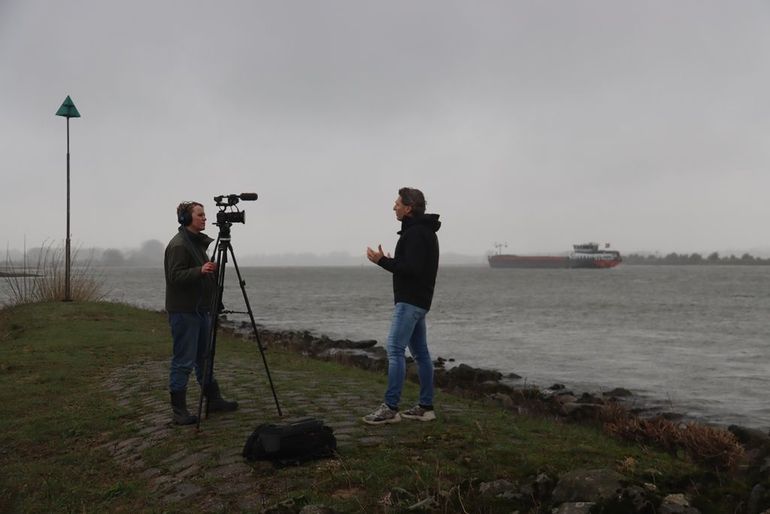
{"x": 150, "y": 253}
{"x": 695, "y": 259}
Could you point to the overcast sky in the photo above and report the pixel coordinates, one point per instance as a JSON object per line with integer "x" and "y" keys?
{"x": 536, "y": 123}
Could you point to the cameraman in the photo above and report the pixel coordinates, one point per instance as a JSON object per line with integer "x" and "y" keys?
{"x": 190, "y": 289}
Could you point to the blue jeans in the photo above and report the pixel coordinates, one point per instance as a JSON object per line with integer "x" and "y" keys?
{"x": 407, "y": 328}
{"x": 190, "y": 332}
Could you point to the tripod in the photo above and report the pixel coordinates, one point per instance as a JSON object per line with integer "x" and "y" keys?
{"x": 221, "y": 249}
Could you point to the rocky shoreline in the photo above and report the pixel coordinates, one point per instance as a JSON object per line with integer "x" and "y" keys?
{"x": 464, "y": 380}
{"x": 458, "y": 378}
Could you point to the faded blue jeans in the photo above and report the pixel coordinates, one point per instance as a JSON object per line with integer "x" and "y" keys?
{"x": 190, "y": 332}
{"x": 407, "y": 328}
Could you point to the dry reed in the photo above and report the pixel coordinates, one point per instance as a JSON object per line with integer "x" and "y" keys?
{"x": 704, "y": 444}
{"x": 45, "y": 281}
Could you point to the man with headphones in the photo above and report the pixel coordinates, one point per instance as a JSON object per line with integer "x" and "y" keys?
{"x": 190, "y": 289}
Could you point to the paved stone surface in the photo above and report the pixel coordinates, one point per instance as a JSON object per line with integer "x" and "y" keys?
{"x": 207, "y": 467}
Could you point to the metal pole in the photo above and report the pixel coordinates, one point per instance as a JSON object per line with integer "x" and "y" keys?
{"x": 67, "y": 295}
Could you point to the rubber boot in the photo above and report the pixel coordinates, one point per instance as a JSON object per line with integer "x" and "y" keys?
{"x": 215, "y": 401}
{"x": 179, "y": 407}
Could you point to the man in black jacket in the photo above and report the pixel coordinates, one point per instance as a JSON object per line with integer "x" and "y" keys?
{"x": 414, "y": 267}
{"x": 190, "y": 290}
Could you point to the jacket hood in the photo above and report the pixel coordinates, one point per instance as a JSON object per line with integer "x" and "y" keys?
{"x": 430, "y": 220}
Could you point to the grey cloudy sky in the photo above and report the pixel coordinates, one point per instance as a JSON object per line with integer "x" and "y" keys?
{"x": 643, "y": 124}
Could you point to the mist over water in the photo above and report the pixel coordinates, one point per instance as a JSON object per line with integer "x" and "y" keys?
{"x": 691, "y": 339}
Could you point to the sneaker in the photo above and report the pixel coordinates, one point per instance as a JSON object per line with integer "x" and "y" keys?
{"x": 419, "y": 414}
{"x": 383, "y": 414}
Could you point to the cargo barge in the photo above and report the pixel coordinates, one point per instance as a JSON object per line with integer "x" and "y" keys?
{"x": 587, "y": 255}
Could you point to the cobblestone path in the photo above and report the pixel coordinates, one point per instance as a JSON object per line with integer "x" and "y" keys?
{"x": 206, "y": 467}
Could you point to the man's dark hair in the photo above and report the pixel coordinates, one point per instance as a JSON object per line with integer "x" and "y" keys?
{"x": 414, "y": 199}
{"x": 186, "y": 207}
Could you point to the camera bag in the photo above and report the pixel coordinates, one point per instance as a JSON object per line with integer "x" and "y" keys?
{"x": 291, "y": 443}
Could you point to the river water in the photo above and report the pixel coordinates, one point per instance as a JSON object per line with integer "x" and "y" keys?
{"x": 690, "y": 339}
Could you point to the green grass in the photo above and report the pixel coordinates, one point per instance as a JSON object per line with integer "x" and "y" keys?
{"x": 55, "y": 413}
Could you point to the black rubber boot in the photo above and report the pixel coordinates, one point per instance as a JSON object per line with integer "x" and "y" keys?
{"x": 179, "y": 407}
{"x": 215, "y": 401}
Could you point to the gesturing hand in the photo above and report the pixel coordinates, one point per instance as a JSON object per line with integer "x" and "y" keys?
{"x": 375, "y": 255}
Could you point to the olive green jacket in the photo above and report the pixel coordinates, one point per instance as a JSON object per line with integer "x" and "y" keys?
{"x": 187, "y": 289}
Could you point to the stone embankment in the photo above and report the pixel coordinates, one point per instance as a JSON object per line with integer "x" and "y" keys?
{"x": 459, "y": 379}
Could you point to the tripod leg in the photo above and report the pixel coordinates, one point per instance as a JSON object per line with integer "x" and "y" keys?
{"x": 208, "y": 361}
{"x": 254, "y": 328}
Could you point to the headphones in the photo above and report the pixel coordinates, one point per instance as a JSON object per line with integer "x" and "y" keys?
{"x": 184, "y": 213}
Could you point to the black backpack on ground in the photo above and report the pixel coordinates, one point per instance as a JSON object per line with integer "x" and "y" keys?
{"x": 291, "y": 443}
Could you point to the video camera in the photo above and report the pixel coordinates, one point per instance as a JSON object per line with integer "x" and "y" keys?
{"x": 228, "y": 212}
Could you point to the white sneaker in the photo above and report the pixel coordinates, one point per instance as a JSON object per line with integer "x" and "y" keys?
{"x": 382, "y": 415}
{"x": 419, "y": 414}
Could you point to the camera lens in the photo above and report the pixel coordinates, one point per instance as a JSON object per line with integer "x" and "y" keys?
{"x": 231, "y": 217}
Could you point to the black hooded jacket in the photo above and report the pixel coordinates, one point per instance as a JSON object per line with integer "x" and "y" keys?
{"x": 415, "y": 262}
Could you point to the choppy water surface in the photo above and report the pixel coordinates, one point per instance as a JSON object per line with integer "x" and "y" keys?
{"x": 692, "y": 337}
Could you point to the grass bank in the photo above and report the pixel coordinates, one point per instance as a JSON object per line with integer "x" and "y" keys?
{"x": 78, "y": 380}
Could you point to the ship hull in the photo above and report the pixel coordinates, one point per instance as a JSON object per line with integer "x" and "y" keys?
{"x": 520, "y": 261}
{"x": 586, "y": 256}
{"x": 594, "y": 263}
